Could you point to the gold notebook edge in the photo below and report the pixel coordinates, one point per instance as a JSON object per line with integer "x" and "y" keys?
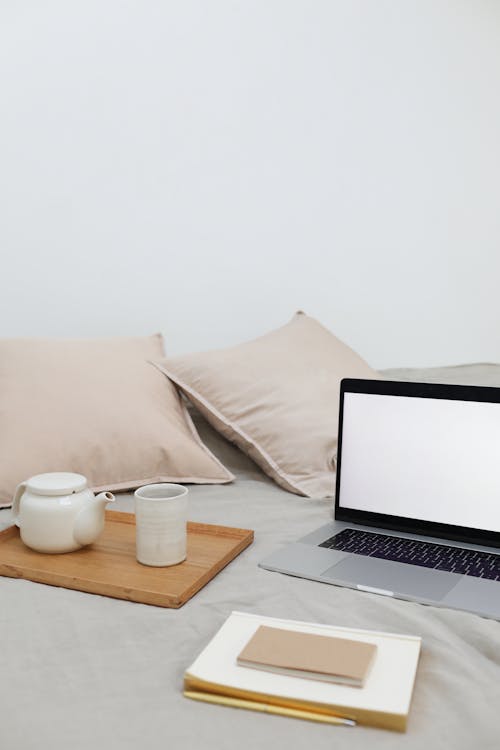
{"x": 267, "y": 708}
{"x": 381, "y": 719}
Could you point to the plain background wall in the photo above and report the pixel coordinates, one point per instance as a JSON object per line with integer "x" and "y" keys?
{"x": 207, "y": 168}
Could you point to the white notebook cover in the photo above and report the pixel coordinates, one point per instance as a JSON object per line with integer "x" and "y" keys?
{"x": 388, "y": 688}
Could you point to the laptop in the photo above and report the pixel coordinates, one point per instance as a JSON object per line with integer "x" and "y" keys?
{"x": 417, "y": 499}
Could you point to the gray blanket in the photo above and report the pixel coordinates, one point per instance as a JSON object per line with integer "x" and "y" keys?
{"x": 87, "y": 672}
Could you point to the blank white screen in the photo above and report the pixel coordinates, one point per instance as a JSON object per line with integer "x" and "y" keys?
{"x": 429, "y": 459}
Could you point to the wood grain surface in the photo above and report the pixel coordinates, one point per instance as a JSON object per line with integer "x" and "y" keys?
{"x": 108, "y": 567}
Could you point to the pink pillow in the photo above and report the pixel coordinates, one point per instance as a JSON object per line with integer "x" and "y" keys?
{"x": 277, "y": 398}
{"x": 97, "y": 407}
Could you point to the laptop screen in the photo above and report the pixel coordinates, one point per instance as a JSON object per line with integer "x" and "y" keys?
{"x": 431, "y": 454}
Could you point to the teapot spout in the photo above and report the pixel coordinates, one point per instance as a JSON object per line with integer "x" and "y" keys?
{"x": 90, "y": 521}
{"x": 103, "y": 498}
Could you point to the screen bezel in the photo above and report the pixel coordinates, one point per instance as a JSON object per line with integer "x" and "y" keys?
{"x": 488, "y": 394}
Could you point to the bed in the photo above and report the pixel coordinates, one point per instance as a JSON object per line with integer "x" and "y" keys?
{"x": 81, "y": 671}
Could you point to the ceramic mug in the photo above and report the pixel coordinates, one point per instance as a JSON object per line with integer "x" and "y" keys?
{"x": 160, "y": 524}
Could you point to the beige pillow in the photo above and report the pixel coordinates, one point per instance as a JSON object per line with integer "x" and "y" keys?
{"x": 97, "y": 407}
{"x": 277, "y": 397}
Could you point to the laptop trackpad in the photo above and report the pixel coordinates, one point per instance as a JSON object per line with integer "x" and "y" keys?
{"x": 399, "y": 578}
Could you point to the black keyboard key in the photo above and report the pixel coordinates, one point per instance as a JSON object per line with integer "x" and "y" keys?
{"x": 414, "y": 552}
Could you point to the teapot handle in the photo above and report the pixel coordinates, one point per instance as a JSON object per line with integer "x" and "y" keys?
{"x": 16, "y": 501}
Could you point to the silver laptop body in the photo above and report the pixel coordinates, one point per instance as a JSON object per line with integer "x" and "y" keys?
{"x": 417, "y": 499}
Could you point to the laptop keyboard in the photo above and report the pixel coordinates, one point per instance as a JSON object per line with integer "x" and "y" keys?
{"x": 412, "y": 552}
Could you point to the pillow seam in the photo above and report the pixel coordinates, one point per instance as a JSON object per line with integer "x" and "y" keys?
{"x": 238, "y": 430}
{"x": 200, "y": 442}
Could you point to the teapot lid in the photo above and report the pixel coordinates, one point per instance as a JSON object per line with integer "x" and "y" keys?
{"x": 57, "y": 483}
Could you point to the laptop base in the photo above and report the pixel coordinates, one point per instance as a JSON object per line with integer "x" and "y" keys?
{"x": 305, "y": 559}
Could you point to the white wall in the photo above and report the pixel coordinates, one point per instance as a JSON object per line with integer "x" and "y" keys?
{"x": 207, "y": 168}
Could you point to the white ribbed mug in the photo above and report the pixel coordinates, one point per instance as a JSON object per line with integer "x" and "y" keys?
{"x": 160, "y": 524}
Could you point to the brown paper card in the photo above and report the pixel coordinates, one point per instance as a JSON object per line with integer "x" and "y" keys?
{"x": 308, "y": 655}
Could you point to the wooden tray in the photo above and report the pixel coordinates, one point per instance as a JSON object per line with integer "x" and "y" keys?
{"x": 109, "y": 567}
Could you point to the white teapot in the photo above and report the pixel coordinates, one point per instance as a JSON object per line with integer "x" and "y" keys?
{"x": 58, "y": 513}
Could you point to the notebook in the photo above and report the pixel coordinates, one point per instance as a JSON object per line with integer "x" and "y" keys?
{"x": 308, "y": 655}
{"x": 383, "y": 701}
